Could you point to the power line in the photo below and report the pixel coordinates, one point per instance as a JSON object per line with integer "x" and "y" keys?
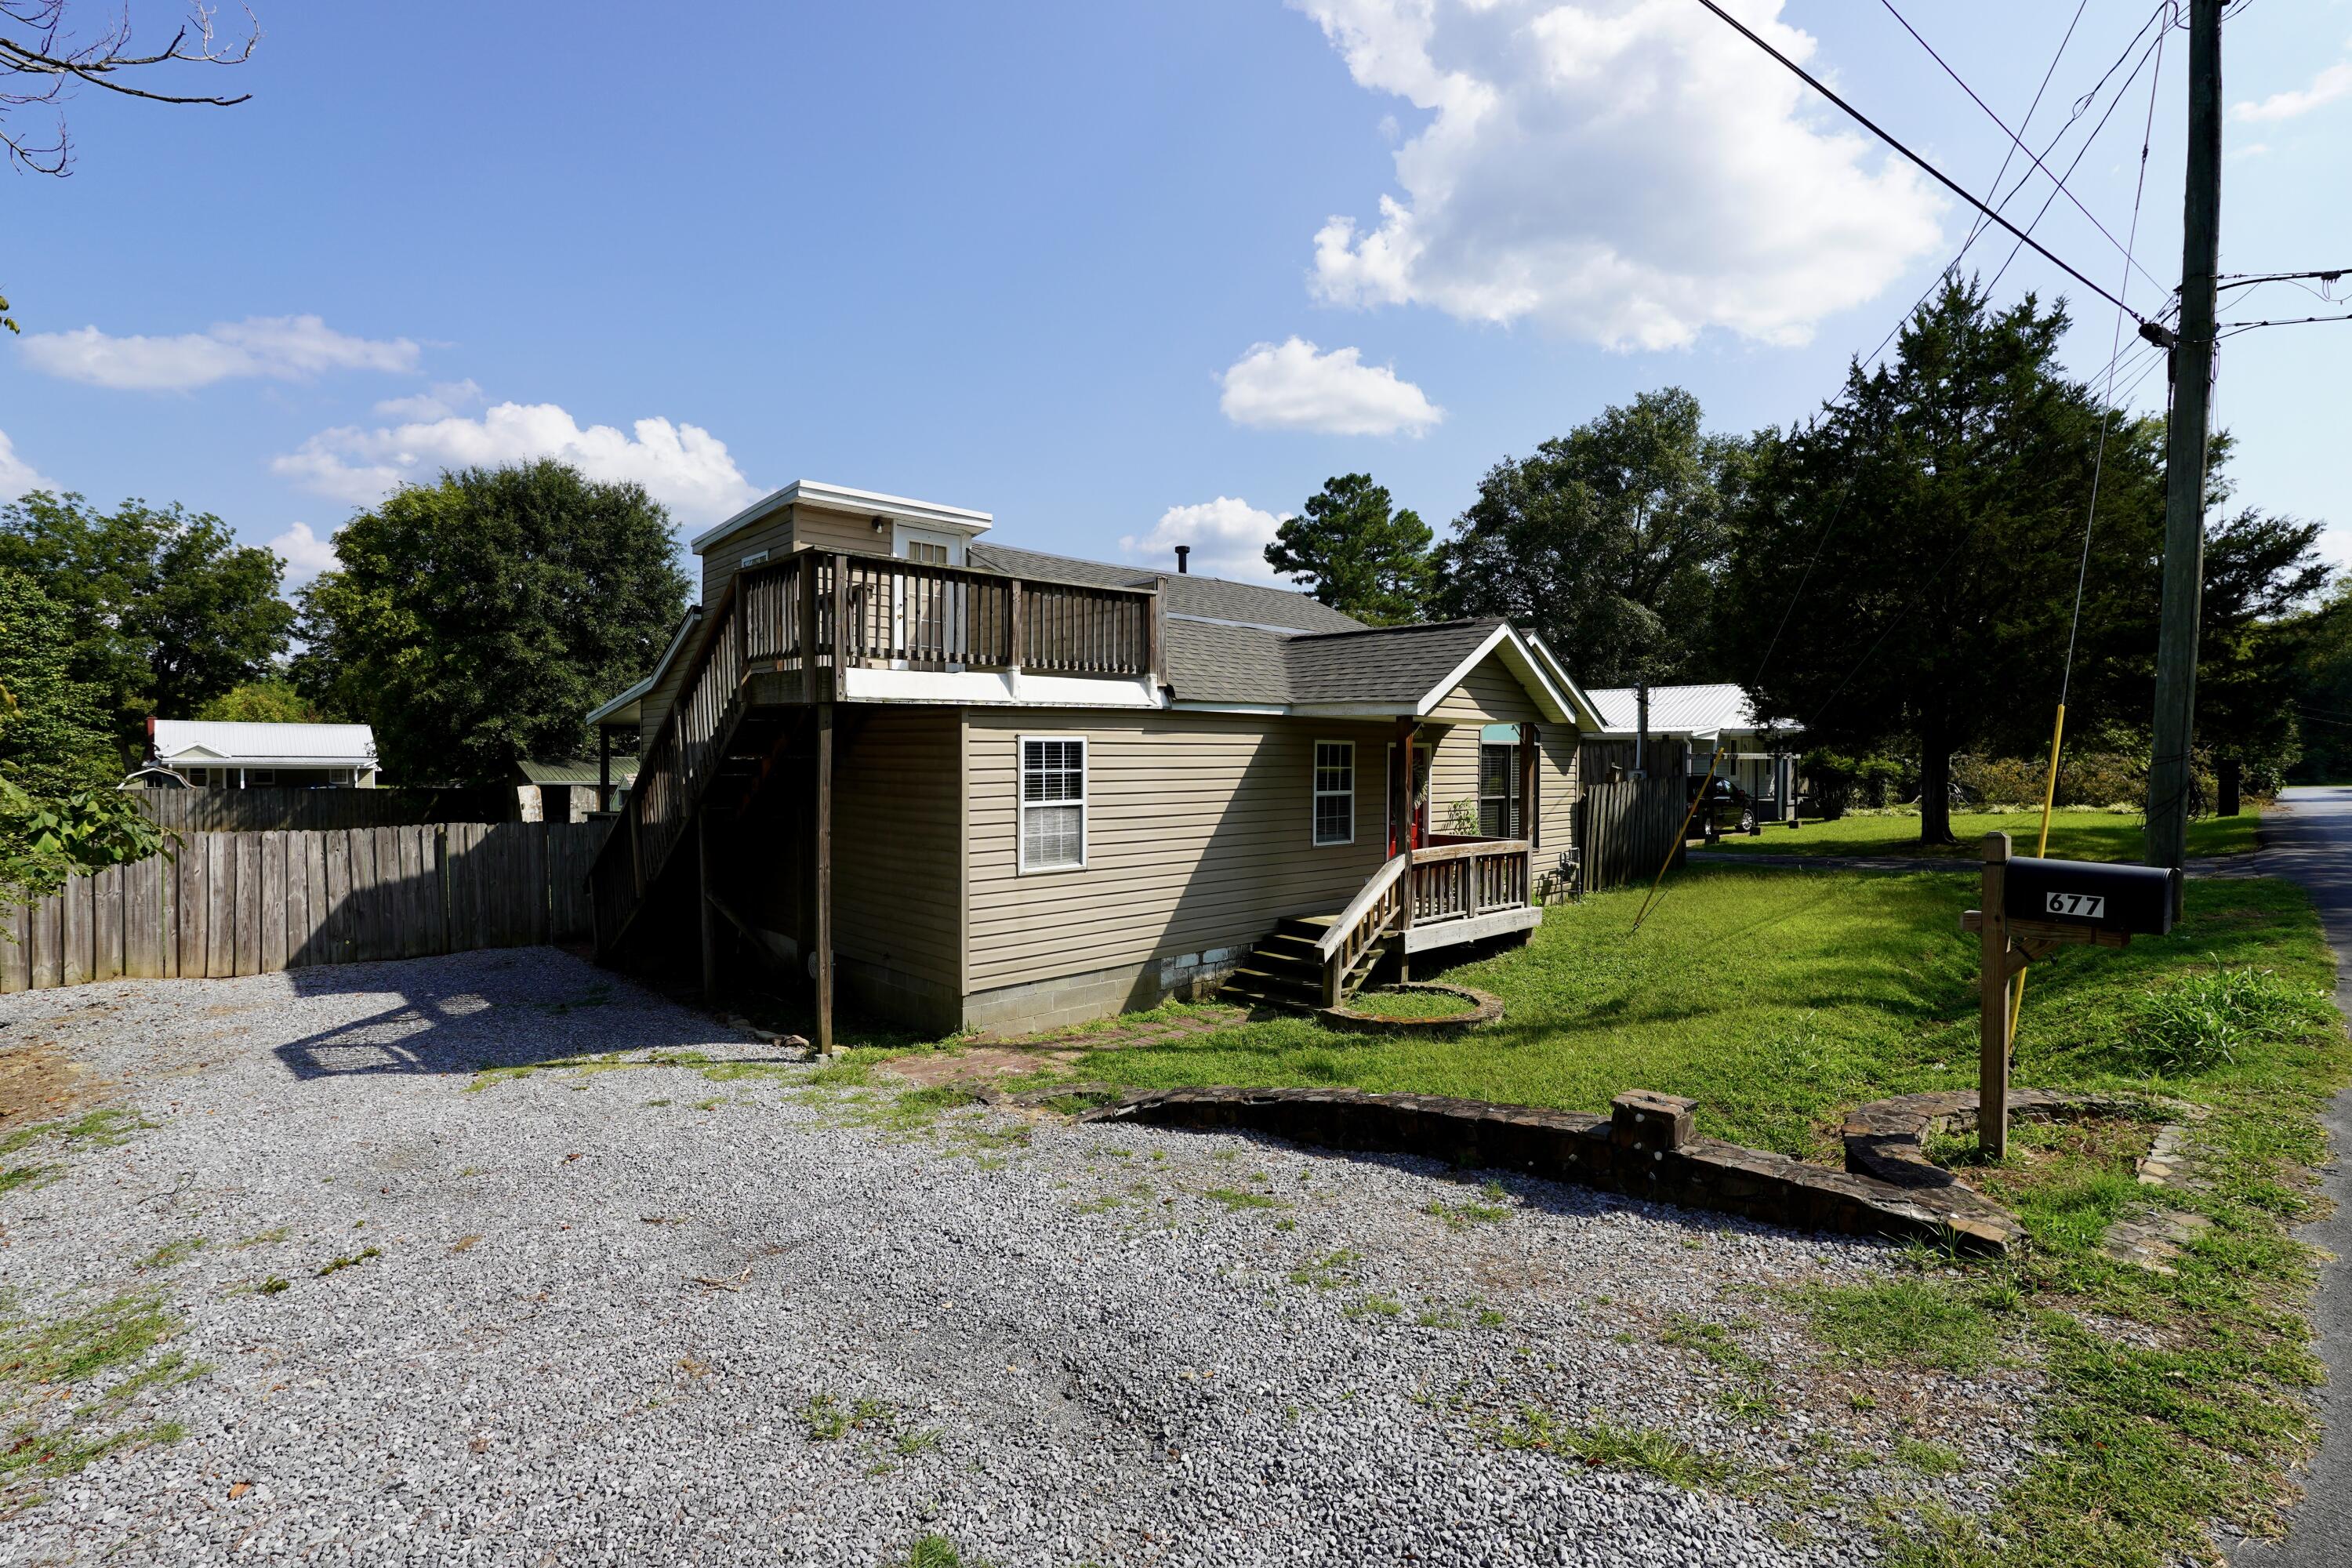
{"x": 1934, "y": 173}
{"x": 2107, "y": 420}
{"x": 2018, "y": 144}
{"x": 2155, "y": 51}
{"x": 2233, "y": 328}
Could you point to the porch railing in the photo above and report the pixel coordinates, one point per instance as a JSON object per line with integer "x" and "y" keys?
{"x": 1461, "y": 878}
{"x": 822, "y": 610}
{"x": 1449, "y": 878}
{"x": 1366, "y": 921}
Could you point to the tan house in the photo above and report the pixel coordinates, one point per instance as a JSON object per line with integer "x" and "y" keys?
{"x": 973, "y": 786}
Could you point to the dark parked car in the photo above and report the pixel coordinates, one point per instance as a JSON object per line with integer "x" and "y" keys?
{"x": 1728, "y": 808}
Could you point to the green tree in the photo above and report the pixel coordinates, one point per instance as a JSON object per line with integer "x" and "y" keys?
{"x": 2252, "y": 647}
{"x": 1607, "y": 541}
{"x": 2322, "y": 689}
{"x": 53, "y": 735}
{"x": 274, "y": 701}
{"x": 59, "y": 811}
{"x": 1902, "y": 568}
{"x": 165, "y": 609}
{"x": 1357, "y": 554}
{"x": 473, "y": 622}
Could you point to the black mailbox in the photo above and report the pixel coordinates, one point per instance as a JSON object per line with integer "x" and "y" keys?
{"x": 2135, "y": 899}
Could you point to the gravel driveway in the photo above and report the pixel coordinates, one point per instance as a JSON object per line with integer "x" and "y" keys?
{"x": 747, "y": 1313}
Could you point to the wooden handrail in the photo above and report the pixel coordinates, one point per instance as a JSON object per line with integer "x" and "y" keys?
{"x": 1470, "y": 850}
{"x": 1382, "y": 882}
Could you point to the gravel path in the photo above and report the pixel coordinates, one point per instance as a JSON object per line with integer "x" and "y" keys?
{"x": 1105, "y": 1344}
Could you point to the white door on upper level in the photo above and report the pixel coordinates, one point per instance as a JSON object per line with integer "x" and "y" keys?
{"x": 927, "y": 613}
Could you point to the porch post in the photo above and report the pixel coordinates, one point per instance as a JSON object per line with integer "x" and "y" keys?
{"x": 1402, "y": 814}
{"x": 1530, "y": 796}
{"x": 824, "y": 865}
{"x": 604, "y": 768}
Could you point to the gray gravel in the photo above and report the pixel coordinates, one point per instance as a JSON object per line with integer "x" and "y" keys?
{"x": 1078, "y": 1350}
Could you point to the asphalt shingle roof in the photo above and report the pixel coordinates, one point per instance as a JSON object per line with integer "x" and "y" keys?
{"x": 1210, "y": 598}
{"x": 1387, "y": 664}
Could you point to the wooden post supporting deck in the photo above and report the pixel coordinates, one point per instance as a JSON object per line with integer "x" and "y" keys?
{"x": 1993, "y": 1004}
{"x": 825, "y": 866}
{"x": 710, "y": 910}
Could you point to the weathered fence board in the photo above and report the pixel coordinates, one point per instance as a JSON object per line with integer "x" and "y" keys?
{"x": 1627, "y": 830}
{"x": 267, "y": 810}
{"x": 256, "y": 903}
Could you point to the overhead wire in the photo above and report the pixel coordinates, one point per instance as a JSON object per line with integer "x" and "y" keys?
{"x": 2018, "y": 144}
{"x": 1976, "y": 228}
{"x": 1927, "y": 168}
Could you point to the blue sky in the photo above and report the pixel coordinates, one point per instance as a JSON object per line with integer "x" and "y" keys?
{"x": 1050, "y": 260}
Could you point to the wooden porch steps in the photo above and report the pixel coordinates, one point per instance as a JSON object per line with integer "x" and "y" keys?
{"x": 1286, "y": 971}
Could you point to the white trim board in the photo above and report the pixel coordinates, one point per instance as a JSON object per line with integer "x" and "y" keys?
{"x": 841, "y": 498}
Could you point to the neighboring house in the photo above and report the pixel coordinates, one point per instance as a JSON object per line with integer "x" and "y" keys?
{"x": 978, "y": 786}
{"x": 1763, "y": 755}
{"x": 210, "y": 755}
{"x": 568, "y": 790}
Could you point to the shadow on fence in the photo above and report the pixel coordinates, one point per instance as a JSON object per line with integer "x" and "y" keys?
{"x": 1627, "y": 829}
{"x": 257, "y": 903}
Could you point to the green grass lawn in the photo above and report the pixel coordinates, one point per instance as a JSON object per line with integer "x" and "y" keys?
{"x": 2075, "y": 834}
{"x": 1780, "y": 1002}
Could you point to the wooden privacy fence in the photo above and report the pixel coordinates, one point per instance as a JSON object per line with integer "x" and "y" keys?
{"x": 1626, "y": 830}
{"x": 266, "y": 809}
{"x": 255, "y": 903}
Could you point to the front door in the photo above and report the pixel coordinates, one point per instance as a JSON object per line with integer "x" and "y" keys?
{"x": 926, "y": 614}
{"x": 1420, "y": 819}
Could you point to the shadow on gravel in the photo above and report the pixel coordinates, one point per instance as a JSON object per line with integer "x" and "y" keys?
{"x": 440, "y": 1016}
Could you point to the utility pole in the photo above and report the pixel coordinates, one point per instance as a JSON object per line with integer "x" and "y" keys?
{"x": 1641, "y": 727}
{"x": 2184, "y": 463}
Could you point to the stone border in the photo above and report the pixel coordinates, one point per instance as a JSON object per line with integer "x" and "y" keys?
{"x": 1645, "y": 1148}
{"x": 1483, "y": 1009}
{"x": 1887, "y": 1139}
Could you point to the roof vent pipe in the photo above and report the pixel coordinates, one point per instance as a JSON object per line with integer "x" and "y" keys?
{"x": 1184, "y": 554}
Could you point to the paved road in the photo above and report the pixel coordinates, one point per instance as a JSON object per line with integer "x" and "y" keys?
{"x": 2310, "y": 843}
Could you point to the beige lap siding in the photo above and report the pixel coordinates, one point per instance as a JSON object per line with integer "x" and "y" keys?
{"x": 1200, "y": 833}
{"x": 779, "y": 532}
{"x": 896, "y": 839}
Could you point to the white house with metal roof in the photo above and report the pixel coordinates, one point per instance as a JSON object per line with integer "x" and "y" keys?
{"x": 211, "y": 754}
{"x": 979, "y": 786}
{"x": 1762, "y": 753}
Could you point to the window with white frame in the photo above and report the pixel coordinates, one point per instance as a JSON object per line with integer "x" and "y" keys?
{"x": 1498, "y": 792}
{"x": 1052, "y": 805}
{"x": 1335, "y": 791}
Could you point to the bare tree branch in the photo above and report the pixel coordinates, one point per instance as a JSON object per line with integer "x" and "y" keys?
{"x": 40, "y": 61}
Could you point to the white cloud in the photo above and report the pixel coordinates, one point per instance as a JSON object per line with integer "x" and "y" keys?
{"x": 2325, "y": 88}
{"x": 1292, "y": 386}
{"x": 17, "y": 476}
{"x": 447, "y": 397}
{"x": 1627, "y": 171}
{"x": 684, "y": 467}
{"x": 305, "y": 553}
{"x": 1228, "y": 536}
{"x": 282, "y": 348}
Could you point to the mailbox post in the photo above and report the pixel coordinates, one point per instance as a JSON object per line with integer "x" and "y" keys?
{"x": 2029, "y": 910}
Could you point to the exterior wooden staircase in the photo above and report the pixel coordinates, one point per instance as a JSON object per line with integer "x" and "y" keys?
{"x": 1287, "y": 970}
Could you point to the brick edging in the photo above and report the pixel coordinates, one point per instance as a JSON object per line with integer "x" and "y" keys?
{"x": 1645, "y": 1148}
{"x": 1484, "y": 1008}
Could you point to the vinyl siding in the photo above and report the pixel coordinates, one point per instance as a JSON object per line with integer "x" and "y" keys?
{"x": 897, "y": 841}
{"x": 1489, "y": 694}
{"x": 790, "y": 526}
{"x": 1200, "y": 833}
{"x": 772, "y": 535}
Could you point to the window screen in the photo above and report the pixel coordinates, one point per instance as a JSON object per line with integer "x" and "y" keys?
{"x": 1335, "y": 791}
{"x": 1052, "y": 805}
